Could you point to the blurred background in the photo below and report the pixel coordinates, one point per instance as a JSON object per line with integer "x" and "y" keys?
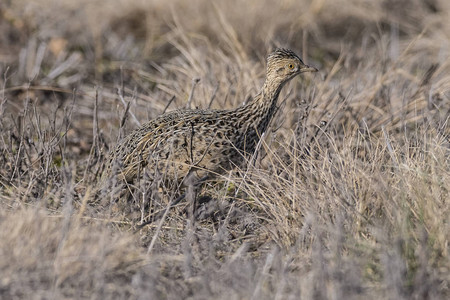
{"x": 350, "y": 201}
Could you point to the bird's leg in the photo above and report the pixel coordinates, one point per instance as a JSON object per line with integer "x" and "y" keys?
{"x": 191, "y": 196}
{"x": 192, "y": 182}
{"x": 173, "y": 203}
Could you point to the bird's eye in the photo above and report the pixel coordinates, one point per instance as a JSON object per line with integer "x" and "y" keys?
{"x": 291, "y": 66}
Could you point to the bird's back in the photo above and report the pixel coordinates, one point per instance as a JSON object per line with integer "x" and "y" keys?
{"x": 180, "y": 141}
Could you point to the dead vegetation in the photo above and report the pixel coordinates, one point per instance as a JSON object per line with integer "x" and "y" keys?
{"x": 347, "y": 199}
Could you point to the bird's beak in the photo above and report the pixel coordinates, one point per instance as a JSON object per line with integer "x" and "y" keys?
{"x": 306, "y": 68}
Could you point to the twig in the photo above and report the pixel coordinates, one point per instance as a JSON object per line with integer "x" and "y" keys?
{"x": 213, "y": 95}
{"x": 389, "y": 146}
{"x": 194, "y": 84}
{"x": 158, "y": 229}
{"x": 168, "y": 104}
{"x": 127, "y": 107}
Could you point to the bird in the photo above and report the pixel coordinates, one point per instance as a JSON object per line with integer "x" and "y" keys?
{"x": 198, "y": 143}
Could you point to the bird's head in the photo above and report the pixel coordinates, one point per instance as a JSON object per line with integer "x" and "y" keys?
{"x": 283, "y": 65}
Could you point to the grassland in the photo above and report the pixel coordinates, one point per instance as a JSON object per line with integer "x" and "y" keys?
{"x": 347, "y": 199}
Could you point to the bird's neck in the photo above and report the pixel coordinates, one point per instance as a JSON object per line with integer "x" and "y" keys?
{"x": 262, "y": 107}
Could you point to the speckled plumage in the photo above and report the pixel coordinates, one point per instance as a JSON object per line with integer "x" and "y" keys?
{"x": 203, "y": 141}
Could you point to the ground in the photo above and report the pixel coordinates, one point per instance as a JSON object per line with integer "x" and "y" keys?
{"x": 348, "y": 197}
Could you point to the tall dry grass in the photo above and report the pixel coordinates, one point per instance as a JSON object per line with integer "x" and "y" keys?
{"x": 346, "y": 199}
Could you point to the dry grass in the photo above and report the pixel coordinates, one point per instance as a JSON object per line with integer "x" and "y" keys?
{"x": 347, "y": 199}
